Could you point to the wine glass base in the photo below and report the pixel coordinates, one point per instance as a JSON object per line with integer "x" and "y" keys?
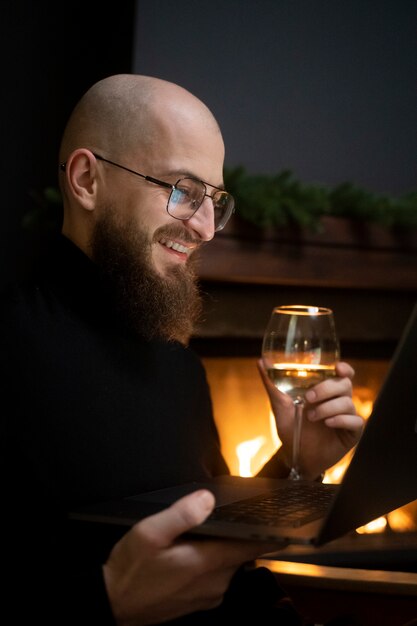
{"x": 294, "y": 475}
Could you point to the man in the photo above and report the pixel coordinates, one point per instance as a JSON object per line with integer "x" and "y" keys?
{"x": 105, "y": 398}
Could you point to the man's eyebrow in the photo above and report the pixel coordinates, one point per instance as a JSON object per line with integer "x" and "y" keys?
{"x": 188, "y": 174}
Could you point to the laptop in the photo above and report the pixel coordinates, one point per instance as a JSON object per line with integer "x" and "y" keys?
{"x": 381, "y": 477}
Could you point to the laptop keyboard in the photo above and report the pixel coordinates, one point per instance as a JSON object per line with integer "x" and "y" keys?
{"x": 293, "y": 505}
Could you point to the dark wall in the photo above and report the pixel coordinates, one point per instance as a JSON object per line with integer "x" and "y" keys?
{"x": 326, "y": 88}
{"x": 51, "y": 52}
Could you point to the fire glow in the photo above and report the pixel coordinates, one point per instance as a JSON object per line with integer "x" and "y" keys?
{"x": 249, "y": 436}
{"x": 247, "y": 450}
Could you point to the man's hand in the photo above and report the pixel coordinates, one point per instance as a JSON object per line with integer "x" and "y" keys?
{"x": 331, "y": 426}
{"x": 154, "y": 574}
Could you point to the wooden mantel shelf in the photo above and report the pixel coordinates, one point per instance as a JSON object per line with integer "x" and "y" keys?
{"x": 367, "y": 597}
{"x": 345, "y": 578}
{"x": 365, "y": 273}
{"x": 344, "y": 255}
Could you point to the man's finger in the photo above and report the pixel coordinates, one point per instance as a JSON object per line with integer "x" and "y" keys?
{"x": 189, "y": 511}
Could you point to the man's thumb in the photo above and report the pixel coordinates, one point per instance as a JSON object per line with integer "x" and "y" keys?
{"x": 187, "y": 512}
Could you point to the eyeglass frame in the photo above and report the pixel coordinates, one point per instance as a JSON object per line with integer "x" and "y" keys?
{"x": 170, "y": 186}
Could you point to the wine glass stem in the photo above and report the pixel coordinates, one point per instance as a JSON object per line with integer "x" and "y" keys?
{"x": 298, "y": 418}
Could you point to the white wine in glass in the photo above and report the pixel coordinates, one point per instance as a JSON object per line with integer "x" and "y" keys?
{"x": 300, "y": 349}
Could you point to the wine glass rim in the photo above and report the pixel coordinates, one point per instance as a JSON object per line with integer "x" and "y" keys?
{"x": 302, "y": 309}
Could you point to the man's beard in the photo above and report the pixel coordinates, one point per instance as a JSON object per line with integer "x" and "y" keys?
{"x": 155, "y": 306}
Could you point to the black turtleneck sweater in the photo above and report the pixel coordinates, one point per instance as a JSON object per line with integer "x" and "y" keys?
{"x": 90, "y": 412}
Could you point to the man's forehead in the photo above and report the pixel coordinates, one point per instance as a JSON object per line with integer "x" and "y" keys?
{"x": 174, "y": 171}
{"x": 203, "y": 163}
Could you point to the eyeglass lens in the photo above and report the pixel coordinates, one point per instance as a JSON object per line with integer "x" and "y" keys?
{"x": 188, "y": 195}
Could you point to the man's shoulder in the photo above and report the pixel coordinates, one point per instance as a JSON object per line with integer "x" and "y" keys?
{"x": 12, "y": 294}
{"x": 20, "y": 300}
{"x": 16, "y": 293}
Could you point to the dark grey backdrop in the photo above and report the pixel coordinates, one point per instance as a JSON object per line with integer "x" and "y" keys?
{"x": 327, "y": 88}
{"x": 50, "y": 53}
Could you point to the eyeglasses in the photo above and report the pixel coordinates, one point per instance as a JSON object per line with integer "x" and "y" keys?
{"x": 187, "y": 195}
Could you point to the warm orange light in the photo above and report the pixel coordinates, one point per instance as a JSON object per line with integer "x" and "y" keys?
{"x": 249, "y": 436}
{"x": 404, "y": 518}
{"x": 241, "y": 409}
{"x": 335, "y": 474}
{"x": 363, "y": 405}
{"x": 376, "y": 526}
{"x": 246, "y": 451}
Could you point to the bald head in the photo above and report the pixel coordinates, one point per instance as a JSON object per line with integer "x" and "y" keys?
{"x": 128, "y": 142}
{"x": 125, "y": 112}
{"x": 147, "y": 125}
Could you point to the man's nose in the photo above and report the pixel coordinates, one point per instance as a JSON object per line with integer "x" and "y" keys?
{"x": 202, "y": 221}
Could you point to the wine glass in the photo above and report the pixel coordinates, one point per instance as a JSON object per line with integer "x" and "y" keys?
{"x": 300, "y": 348}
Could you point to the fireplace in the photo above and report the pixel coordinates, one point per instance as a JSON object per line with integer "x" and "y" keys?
{"x": 247, "y": 428}
{"x": 371, "y": 289}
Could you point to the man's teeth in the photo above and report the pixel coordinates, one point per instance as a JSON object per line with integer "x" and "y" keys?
{"x": 175, "y": 246}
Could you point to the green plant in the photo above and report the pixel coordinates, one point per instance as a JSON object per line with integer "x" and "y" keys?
{"x": 272, "y": 200}
{"x": 282, "y": 200}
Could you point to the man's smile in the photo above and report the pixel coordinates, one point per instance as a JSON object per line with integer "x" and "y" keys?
{"x": 182, "y": 248}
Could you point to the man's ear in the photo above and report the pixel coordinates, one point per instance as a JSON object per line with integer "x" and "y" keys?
{"x": 81, "y": 175}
